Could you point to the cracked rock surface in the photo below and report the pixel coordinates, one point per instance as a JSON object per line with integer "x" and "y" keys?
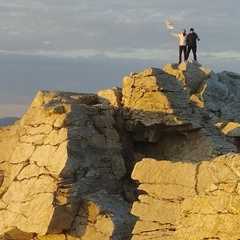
{"x": 158, "y": 158}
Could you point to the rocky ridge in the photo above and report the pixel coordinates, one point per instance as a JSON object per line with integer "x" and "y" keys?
{"x": 157, "y": 159}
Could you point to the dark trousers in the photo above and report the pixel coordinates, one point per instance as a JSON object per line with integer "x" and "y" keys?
{"x": 194, "y": 50}
{"x": 183, "y": 49}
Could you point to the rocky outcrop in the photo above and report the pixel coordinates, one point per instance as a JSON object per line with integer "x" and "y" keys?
{"x": 103, "y": 216}
{"x": 157, "y": 159}
{"x": 159, "y": 109}
{"x": 63, "y": 149}
{"x": 188, "y": 201}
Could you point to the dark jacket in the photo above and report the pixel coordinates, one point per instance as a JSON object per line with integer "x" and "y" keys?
{"x": 191, "y": 39}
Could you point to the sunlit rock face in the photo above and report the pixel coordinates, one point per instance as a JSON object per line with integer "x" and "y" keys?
{"x": 155, "y": 159}
{"x": 180, "y": 197}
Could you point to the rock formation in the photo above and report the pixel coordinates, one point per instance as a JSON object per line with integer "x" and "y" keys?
{"x": 157, "y": 159}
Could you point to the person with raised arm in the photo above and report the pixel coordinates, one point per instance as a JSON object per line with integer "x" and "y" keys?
{"x": 182, "y": 44}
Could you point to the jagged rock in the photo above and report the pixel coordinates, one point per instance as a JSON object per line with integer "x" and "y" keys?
{"x": 16, "y": 234}
{"x": 66, "y": 166}
{"x": 153, "y": 100}
{"x": 181, "y": 147}
{"x": 216, "y": 95}
{"x": 191, "y": 74}
{"x": 111, "y": 96}
{"x": 64, "y": 150}
{"x": 230, "y": 129}
{"x": 158, "y": 110}
{"x": 232, "y": 132}
{"x": 182, "y": 197}
{"x": 102, "y": 216}
{"x": 230, "y": 111}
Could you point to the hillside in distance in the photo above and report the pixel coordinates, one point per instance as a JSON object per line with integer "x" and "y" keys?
{"x": 7, "y": 121}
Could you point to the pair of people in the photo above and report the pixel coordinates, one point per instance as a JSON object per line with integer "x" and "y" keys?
{"x": 187, "y": 43}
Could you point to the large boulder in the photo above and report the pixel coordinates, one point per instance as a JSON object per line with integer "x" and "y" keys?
{"x": 103, "y": 216}
{"x": 65, "y": 147}
{"x": 191, "y": 74}
{"x": 155, "y": 100}
{"x": 180, "y": 198}
{"x": 158, "y": 109}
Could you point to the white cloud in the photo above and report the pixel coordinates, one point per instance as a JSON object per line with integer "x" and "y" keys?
{"x": 46, "y": 42}
{"x": 221, "y": 55}
{"x": 105, "y": 25}
{"x": 107, "y": 31}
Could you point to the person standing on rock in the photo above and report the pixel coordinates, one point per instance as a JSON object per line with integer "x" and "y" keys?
{"x": 182, "y": 44}
{"x": 191, "y": 41}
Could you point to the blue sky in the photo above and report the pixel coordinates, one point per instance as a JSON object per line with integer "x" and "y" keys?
{"x": 88, "y": 45}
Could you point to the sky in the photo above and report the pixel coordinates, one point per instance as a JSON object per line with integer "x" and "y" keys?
{"x": 88, "y": 45}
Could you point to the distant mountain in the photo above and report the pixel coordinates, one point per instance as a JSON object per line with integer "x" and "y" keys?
{"x": 8, "y": 121}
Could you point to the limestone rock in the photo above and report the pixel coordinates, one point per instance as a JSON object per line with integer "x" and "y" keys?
{"x": 218, "y": 94}
{"x": 111, "y": 96}
{"x": 102, "y": 216}
{"x": 16, "y": 234}
{"x": 155, "y": 98}
{"x": 183, "y": 197}
{"x": 60, "y": 153}
{"x": 157, "y": 159}
{"x": 158, "y": 109}
{"x": 191, "y": 74}
{"x": 230, "y": 129}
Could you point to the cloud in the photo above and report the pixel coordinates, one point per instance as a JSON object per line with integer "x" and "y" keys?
{"x": 90, "y": 45}
{"x": 107, "y": 26}
{"x": 22, "y": 77}
{"x": 46, "y": 42}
